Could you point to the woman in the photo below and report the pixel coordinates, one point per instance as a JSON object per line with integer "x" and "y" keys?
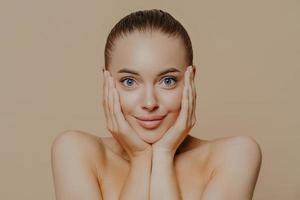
{"x": 149, "y": 100}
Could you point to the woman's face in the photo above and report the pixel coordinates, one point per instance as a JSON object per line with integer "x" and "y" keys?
{"x": 148, "y": 69}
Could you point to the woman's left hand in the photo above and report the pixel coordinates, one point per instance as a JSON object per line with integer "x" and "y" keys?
{"x": 186, "y": 119}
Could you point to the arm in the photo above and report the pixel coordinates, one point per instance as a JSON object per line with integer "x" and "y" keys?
{"x": 236, "y": 177}
{"x": 136, "y": 186}
{"x": 163, "y": 178}
{"x": 73, "y": 175}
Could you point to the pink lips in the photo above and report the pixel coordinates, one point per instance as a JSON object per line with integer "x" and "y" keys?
{"x": 150, "y": 122}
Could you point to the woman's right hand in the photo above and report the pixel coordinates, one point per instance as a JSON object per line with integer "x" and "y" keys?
{"x": 118, "y": 125}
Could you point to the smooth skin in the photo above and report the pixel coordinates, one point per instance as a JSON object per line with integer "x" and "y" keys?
{"x": 162, "y": 152}
{"x": 164, "y": 163}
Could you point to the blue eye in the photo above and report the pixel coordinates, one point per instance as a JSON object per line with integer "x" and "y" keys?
{"x": 168, "y": 81}
{"x": 129, "y": 82}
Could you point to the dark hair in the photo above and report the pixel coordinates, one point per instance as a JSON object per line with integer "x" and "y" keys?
{"x": 148, "y": 20}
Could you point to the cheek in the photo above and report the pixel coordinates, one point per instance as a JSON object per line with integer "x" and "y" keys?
{"x": 128, "y": 101}
{"x": 172, "y": 100}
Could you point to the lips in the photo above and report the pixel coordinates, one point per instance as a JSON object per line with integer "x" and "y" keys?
{"x": 150, "y": 122}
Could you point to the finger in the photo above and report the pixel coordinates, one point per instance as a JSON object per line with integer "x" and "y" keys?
{"x": 104, "y": 94}
{"x": 125, "y": 130}
{"x": 118, "y": 114}
{"x": 194, "y": 86}
{"x": 182, "y": 118}
{"x": 110, "y": 104}
{"x": 193, "y": 115}
{"x": 194, "y": 97}
{"x": 103, "y": 88}
{"x": 190, "y": 99}
{"x": 187, "y": 97}
{"x": 106, "y": 100}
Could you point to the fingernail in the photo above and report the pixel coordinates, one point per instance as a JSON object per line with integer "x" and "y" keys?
{"x": 190, "y": 68}
{"x": 111, "y": 81}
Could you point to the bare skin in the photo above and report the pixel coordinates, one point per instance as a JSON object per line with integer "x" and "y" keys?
{"x": 165, "y": 162}
{"x": 187, "y": 162}
{"x": 195, "y": 164}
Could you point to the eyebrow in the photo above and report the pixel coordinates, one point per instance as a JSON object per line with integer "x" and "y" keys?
{"x": 172, "y": 69}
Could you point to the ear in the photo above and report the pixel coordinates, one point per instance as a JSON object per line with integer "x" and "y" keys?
{"x": 102, "y": 68}
{"x": 194, "y": 70}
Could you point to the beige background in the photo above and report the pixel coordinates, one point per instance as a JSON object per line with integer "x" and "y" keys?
{"x": 247, "y": 53}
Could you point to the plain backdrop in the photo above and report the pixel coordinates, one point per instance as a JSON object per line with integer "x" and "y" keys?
{"x": 247, "y": 55}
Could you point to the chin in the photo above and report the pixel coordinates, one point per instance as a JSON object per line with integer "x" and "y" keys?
{"x": 151, "y": 136}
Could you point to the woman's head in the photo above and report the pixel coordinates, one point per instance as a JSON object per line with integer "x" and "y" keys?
{"x": 147, "y": 53}
{"x": 148, "y": 21}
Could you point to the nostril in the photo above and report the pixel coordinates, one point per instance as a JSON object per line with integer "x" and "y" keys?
{"x": 150, "y": 106}
{"x": 150, "y": 103}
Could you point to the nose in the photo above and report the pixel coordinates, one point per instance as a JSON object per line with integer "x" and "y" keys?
{"x": 150, "y": 102}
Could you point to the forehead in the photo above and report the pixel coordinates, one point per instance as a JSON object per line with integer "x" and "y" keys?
{"x": 147, "y": 52}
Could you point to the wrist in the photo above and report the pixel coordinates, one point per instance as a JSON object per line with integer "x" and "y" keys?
{"x": 142, "y": 157}
{"x": 162, "y": 155}
{"x": 163, "y": 152}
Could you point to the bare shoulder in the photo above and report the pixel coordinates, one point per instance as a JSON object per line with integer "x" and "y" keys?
{"x": 88, "y": 147}
{"x": 236, "y": 164}
{"x": 226, "y": 151}
{"x": 76, "y": 158}
{"x": 236, "y": 147}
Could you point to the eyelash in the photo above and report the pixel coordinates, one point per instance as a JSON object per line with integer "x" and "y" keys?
{"x": 164, "y": 78}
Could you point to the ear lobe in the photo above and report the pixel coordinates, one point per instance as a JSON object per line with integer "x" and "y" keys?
{"x": 194, "y": 70}
{"x": 102, "y": 69}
